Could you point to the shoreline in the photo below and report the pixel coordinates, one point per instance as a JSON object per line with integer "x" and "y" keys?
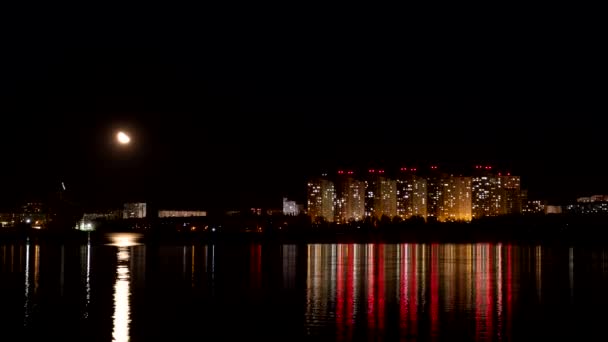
{"x": 563, "y": 234}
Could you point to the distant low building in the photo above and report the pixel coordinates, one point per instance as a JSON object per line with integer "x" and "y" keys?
{"x": 89, "y": 220}
{"x": 134, "y": 210}
{"x": 290, "y": 208}
{"x": 8, "y": 219}
{"x": 181, "y": 213}
{"x": 534, "y": 207}
{"x": 587, "y": 208}
{"x": 274, "y": 211}
{"x": 591, "y": 199}
{"x": 553, "y": 209}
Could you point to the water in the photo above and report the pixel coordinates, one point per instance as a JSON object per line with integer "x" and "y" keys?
{"x": 129, "y": 291}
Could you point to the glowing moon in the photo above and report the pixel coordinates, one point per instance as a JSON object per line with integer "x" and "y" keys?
{"x": 123, "y": 138}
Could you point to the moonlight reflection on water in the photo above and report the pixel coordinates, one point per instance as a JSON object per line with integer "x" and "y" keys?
{"x": 121, "y": 317}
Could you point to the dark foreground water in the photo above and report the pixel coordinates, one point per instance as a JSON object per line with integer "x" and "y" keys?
{"x": 126, "y": 291}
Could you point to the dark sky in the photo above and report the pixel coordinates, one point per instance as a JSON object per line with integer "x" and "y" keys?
{"x": 227, "y": 112}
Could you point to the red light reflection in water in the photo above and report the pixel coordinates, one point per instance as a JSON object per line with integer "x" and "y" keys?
{"x": 371, "y": 284}
{"x": 509, "y": 288}
{"x": 408, "y": 291}
{"x": 484, "y": 291}
{"x": 255, "y": 267}
{"x": 350, "y": 290}
{"x": 376, "y": 287}
{"x": 381, "y": 287}
{"x": 403, "y": 286}
{"x": 344, "y": 292}
{"x": 499, "y": 294}
{"x": 340, "y": 321}
{"x": 478, "y": 298}
{"x": 489, "y": 305}
{"x": 414, "y": 291}
{"x": 434, "y": 290}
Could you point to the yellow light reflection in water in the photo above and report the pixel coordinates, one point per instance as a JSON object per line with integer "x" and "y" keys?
{"x": 27, "y": 283}
{"x": 538, "y": 267}
{"x": 571, "y": 270}
{"x": 192, "y": 269}
{"x": 122, "y": 292}
{"x": 29, "y": 292}
{"x": 122, "y": 309}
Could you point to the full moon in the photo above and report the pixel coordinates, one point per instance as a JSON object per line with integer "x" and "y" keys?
{"x": 123, "y": 138}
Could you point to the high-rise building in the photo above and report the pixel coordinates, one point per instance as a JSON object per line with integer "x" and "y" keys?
{"x": 388, "y": 193}
{"x": 350, "y": 197}
{"x": 495, "y": 194}
{"x": 456, "y": 198}
{"x": 435, "y": 180}
{"x": 321, "y": 198}
{"x": 380, "y": 195}
{"x": 485, "y": 197}
{"x": 411, "y": 194}
{"x": 510, "y": 189}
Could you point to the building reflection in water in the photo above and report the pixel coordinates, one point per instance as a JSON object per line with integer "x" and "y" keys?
{"x": 428, "y": 286}
{"x": 255, "y": 266}
{"x": 571, "y": 270}
{"x": 32, "y": 271}
{"x": 85, "y": 265}
{"x": 538, "y": 257}
{"x": 122, "y": 292}
{"x": 62, "y": 271}
{"x": 202, "y": 267}
{"x": 289, "y": 257}
{"x": 192, "y": 266}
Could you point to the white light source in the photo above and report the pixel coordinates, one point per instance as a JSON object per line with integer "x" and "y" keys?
{"x": 123, "y": 138}
{"x": 124, "y": 239}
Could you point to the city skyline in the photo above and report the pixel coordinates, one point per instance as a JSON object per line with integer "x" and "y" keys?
{"x": 454, "y": 170}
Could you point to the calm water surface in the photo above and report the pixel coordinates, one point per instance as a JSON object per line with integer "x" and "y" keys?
{"x": 127, "y": 291}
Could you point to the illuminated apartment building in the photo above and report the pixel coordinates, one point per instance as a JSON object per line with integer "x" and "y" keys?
{"x": 434, "y": 187}
{"x": 456, "y": 200}
{"x": 485, "y": 196}
{"x": 380, "y": 195}
{"x": 495, "y": 194}
{"x": 511, "y": 196}
{"x": 350, "y": 198}
{"x": 388, "y": 197}
{"x": 411, "y": 194}
{"x": 321, "y": 197}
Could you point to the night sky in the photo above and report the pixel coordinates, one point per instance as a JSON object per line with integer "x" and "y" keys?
{"x": 227, "y": 116}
